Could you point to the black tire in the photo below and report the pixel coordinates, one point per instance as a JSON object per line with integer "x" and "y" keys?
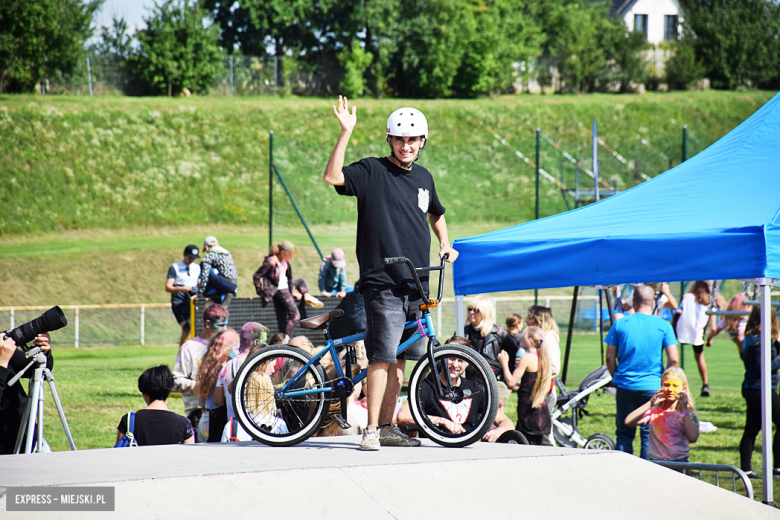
{"x": 512, "y": 437}
{"x": 264, "y": 415}
{"x": 599, "y": 441}
{"x": 482, "y": 393}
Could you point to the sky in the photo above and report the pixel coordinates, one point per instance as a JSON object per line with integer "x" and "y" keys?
{"x": 133, "y": 12}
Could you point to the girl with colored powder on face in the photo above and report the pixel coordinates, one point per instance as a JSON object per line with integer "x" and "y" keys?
{"x": 673, "y": 421}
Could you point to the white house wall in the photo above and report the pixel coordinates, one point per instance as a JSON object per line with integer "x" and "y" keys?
{"x": 655, "y": 11}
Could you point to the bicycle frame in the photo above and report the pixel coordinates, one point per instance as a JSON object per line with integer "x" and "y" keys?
{"x": 424, "y": 328}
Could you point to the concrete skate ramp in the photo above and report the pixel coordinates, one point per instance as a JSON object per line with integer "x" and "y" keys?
{"x": 330, "y": 478}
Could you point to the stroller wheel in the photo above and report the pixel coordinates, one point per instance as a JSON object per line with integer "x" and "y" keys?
{"x": 563, "y": 438}
{"x": 600, "y": 441}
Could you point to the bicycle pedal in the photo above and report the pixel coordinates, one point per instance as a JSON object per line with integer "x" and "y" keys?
{"x": 344, "y": 425}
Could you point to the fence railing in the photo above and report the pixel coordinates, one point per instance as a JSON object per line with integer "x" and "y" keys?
{"x": 140, "y": 327}
{"x": 154, "y": 323}
{"x": 690, "y": 467}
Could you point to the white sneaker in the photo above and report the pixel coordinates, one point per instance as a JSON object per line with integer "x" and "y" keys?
{"x": 370, "y": 441}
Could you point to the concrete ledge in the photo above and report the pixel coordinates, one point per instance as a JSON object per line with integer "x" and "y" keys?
{"x": 328, "y": 478}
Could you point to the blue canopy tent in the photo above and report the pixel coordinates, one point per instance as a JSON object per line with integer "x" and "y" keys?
{"x": 714, "y": 216}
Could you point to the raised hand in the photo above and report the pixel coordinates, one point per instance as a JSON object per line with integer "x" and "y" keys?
{"x": 346, "y": 120}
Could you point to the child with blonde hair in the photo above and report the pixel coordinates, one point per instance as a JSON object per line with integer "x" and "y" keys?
{"x": 671, "y": 416}
{"x": 534, "y": 374}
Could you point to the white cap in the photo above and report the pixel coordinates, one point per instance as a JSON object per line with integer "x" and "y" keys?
{"x": 210, "y": 241}
{"x": 407, "y": 122}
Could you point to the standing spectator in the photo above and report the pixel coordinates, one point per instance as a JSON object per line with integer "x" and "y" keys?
{"x": 156, "y": 424}
{"x": 635, "y": 346}
{"x": 733, "y": 325}
{"x": 751, "y": 391}
{"x": 218, "y": 274}
{"x": 396, "y": 200}
{"x": 182, "y": 283}
{"x": 13, "y": 399}
{"x": 514, "y": 326}
{"x": 274, "y": 281}
{"x": 690, "y": 327}
{"x": 185, "y": 371}
{"x": 217, "y": 355}
{"x": 354, "y": 308}
{"x": 485, "y": 336}
{"x": 671, "y": 417}
{"x": 252, "y": 334}
{"x": 542, "y": 317}
{"x": 664, "y": 302}
{"x": 333, "y": 275}
{"x": 534, "y": 376}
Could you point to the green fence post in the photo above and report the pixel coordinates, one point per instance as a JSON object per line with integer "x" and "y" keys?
{"x": 685, "y": 143}
{"x": 298, "y": 211}
{"x": 270, "y": 188}
{"x": 538, "y": 132}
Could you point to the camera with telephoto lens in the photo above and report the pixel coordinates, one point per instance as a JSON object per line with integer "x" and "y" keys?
{"x": 53, "y": 319}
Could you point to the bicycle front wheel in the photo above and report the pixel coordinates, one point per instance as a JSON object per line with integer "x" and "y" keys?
{"x": 274, "y": 417}
{"x": 465, "y": 409}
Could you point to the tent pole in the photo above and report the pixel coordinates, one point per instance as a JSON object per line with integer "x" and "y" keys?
{"x": 601, "y": 325}
{"x": 538, "y": 133}
{"x": 572, "y": 315}
{"x": 766, "y": 388}
{"x": 270, "y": 188}
{"x": 459, "y": 326}
{"x": 609, "y": 308}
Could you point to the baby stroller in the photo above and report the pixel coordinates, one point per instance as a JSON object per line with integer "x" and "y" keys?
{"x": 565, "y": 428}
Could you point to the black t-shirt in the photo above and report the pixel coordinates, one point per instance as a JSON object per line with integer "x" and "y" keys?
{"x": 393, "y": 206}
{"x": 467, "y": 412}
{"x": 157, "y": 427}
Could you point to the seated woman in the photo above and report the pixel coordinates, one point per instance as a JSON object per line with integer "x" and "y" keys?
{"x": 333, "y": 275}
{"x": 357, "y": 415}
{"x": 156, "y": 424}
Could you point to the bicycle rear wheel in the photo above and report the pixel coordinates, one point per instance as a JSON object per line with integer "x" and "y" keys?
{"x": 273, "y": 418}
{"x": 467, "y": 409}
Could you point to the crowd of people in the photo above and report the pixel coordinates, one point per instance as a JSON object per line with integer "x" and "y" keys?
{"x": 216, "y": 278}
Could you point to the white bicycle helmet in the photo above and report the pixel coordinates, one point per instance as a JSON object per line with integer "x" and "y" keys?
{"x": 407, "y": 122}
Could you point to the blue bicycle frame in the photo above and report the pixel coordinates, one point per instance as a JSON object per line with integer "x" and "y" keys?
{"x": 424, "y": 328}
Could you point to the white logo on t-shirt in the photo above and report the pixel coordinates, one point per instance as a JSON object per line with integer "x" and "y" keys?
{"x": 458, "y": 412}
{"x": 423, "y": 199}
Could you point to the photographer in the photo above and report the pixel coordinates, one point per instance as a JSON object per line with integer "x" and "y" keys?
{"x": 13, "y": 399}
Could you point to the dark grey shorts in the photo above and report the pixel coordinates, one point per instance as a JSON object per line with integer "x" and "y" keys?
{"x": 387, "y": 310}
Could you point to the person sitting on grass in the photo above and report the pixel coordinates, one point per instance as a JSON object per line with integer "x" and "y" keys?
{"x": 534, "y": 374}
{"x": 157, "y": 425}
{"x": 672, "y": 419}
{"x": 502, "y": 428}
{"x": 216, "y": 356}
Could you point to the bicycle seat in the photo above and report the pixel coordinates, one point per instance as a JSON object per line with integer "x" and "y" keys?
{"x": 319, "y": 322}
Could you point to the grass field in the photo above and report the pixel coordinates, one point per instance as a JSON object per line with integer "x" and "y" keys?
{"x": 118, "y": 162}
{"x": 97, "y": 386}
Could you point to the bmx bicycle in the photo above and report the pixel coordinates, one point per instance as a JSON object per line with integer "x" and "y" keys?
{"x": 282, "y": 396}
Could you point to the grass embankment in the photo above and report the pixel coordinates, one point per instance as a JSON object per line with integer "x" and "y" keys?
{"x": 119, "y": 162}
{"x": 98, "y": 386}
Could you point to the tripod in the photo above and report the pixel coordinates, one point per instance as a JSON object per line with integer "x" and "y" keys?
{"x": 34, "y": 408}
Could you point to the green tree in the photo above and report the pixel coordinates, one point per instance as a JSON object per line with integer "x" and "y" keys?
{"x": 738, "y": 39}
{"x": 682, "y": 68}
{"x": 355, "y": 61}
{"x": 41, "y": 37}
{"x": 176, "y": 51}
{"x": 625, "y": 54}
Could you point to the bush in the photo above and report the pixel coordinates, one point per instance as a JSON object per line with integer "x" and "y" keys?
{"x": 355, "y": 61}
{"x": 683, "y": 69}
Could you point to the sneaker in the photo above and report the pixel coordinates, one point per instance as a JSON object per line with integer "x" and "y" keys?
{"x": 753, "y": 475}
{"x": 392, "y": 436}
{"x": 311, "y": 301}
{"x": 370, "y": 441}
{"x": 705, "y": 391}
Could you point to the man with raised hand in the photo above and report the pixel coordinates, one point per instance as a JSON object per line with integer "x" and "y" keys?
{"x": 396, "y": 201}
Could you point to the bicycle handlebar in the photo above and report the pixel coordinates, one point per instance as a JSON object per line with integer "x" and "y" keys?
{"x": 402, "y": 260}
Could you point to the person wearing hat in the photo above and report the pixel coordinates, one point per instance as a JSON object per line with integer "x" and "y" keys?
{"x": 333, "y": 275}
{"x": 182, "y": 283}
{"x": 218, "y": 274}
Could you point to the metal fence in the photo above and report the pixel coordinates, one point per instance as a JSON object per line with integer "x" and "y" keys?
{"x": 237, "y": 76}
{"x": 154, "y": 323}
